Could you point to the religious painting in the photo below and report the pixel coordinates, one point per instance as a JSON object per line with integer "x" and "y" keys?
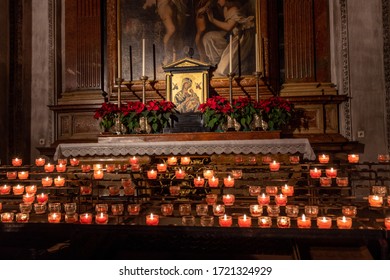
{"x": 175, "y": 29}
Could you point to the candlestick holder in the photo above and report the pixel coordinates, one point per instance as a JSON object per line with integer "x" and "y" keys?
{"x": 231, "y": 77}
{"x": 258, "y": 75}
{"x": 119, "y": 127}
{"x": 144, "y": 79}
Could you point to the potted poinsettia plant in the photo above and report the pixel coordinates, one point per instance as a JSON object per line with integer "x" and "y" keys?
{"x": 276, "y": 111}
{"x": 132, "y": 111}
{"x": 216, "y": 111}
{"x": 160, "y": 114}
{"x": 107, "y": 114}
{"x": 244, "y": 109}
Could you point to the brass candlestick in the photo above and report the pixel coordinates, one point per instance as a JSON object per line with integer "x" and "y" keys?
{"x": 257, "y": 75}
{"x": 231, "y": 76}
{"x": 119, "y": 83}
{"x": 144, "y": 79}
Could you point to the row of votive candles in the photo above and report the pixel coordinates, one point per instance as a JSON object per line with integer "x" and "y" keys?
{"x": 353, "y": 158}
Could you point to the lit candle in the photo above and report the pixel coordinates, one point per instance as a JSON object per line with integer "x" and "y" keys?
{"x": 74, "y": 162}
{"x": 101, "y": 218}
{"x": 315, "y": 173}
{"x": 167, "y": 209}
{"x": 18, "y": 189}
{"x": 199, "y": 182}
{"x": 5, "y": 189}
{"x": 281, "y": 200}
{"x": 344, "y": 222}
{"x": 237, "y": 173}
{"x": 110, "y": 168}
{"x": 352, "y": 158}
{"x": 254, "y": 190}
{"x": 22, "y": 217}
{"x": 47, "y": 181}
{"x": 252, "y": 160}
{"x": 63, "y": 161}
{"x": 49, "y": 167}
{"x": 11, "y": 175}
{"x": 213, "y": 182}
{"x": 85, "y": 168}
{"x": 304, "y": 222}
{"x": 384, "y": 158}
{"x": 152, "y": 220}
{"x": 122, "y": 167}
{"x": 85, "y": 218}
{"x": 40, "y": 162}
{"x": 134, "y": 160}
{"x": 117, "y": 209}
{"x": 325, "y": 181}
{"x": 228, "y": 182}
{"x": 387, "y": 223}
{"x": 271, "y": 190}
{"x": 256, "y": 210}
{"x": 342, "y": 181}
{"x": 161, "y": 167}
{"x": 61, "y": 167}
{"x": 244, "y": 221}
{"x": 7, "y": 217}
{"x": 28, "y": 198}
{"x": 283, "y": 222}
{"x": 238, "y": 159}
{"x": 59, "y": 181}
{"x": 185, "y": 160}
{"x": 324, "y": 222}
{"x": 228, "y": 199}
{"x": 113, "y": 190}
{"x": 23, "y": 175}
{"x": 218, "y": 209}
{"x": 42, "y": 198}
{"x": 135, "y": 167}
{"x": 264, "y": 222}
{"x": 98, "y": 174}
{"x": 97, "y": 166}
{"x": 133, "y": 209}
{"x": 263, "y": 199}
{"x": 152, "y": 174}
{"x": 230, "y": 54}
{"x": 17, "y": 162}
{"x": 274, "y": 166}
{"x": 225, "y": 221}
{"x": 172, "y": 161}
{"x": 323, "y": 158}
{"x": 294, "y": 159}
{"x": 211, "y": 198}
{"x": 375, "y": 200}
{"x": 349, "y": 211}
{"x": 180, "y": 174}
{"x": 31, "y": 189}
{"x": 143, "y": 57}
{"x": 331, "y": 173}
{"x": 208, "y": 174}
{"x": 85, "y": 190}
{"x": 288, "y": 190}
{"x": 54, "y": 217}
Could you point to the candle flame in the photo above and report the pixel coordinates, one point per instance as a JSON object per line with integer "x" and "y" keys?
{"x": 303, "y": 217}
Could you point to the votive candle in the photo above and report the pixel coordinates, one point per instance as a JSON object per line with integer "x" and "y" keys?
{"x": 213, "y": 182}
{"x": 264, "y": 222}
{"x": 324, "y": 158}
{"x": 74, "y": 162}
{"x": 42, "y": 198}
{"x": 61, "y": 167}
{"x": 161, "y": 167}
{"x": 86, "y": 218}
{"x": 283, "y": 222}
{"x": 287, "y": 190}
{"x": 274, "y": 166}
{"x": 324, "y": 222}
{"x": 353, "y": 158}
{"x": 315, "y": 173}
{"x": 244, "y": 221}
{"x": 152, "y": 220}
{"x": 31, "y": 189}
{"x": 85, "y": 168}
{"x": 134, "y": 160}
{"x": 172, "y": 160}
{"x": 185, "y": 160}
{"x": 211, "y": 198}
{"x": 303, "y": 222}
{"x": 11, "y": 175}
{"x": 198, "y": 182}
{"x": 344, "y": 222}
{"x": 28, "y": 198}
{"x": 59, "y": 181}
{"x": 17, "y": 162}
{"x": 228, "y": 199}
{"x": 23, "y": 175}
{"x": 281, "y": 200}
{"x": 22, "y": 217}
{"x": 98, "y": 175}
{"x": 225, "y": 221}
{"x": 101, "y": 218}
{"x": 40, "y": 161}
{"x": 263, "y": 199}
{"x": 228, "y": 182}
{"x": 49, "y": 167}
{"x": 331, "y": 173}
{"x": 325, "y": 181}
{"x": 5, "y": 189}
{"x": 18, "y": 189}
{"x": 208, "y": 174}
{"x": 180, "y": 174}
{"x": 54, "y": 217}
{"x": 152, "y": 174}
{"x": 375, "y": 200}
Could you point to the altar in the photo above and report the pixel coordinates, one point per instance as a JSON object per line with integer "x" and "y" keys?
{"x": 175, "y": 145}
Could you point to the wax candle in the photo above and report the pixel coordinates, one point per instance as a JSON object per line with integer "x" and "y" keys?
{"x": 283, "y": 222}
{"x": 281, "y": 200}
{"x": 59, "y": 181}
{"x": 174, "y": 190}
{"x": 85, "y": 190}
{"x": 113, "y": 190}
{"x": 288, "y": 190}
{"x": 304, "y": 222}
{"x": 387, "y": 223}
{"x": 62, "y": 161}
{"x": 256, "y": 210}
{"x": 40, "y": 161}
{"x": 86, "y": 218}
{"x": 152, "y": 220}
{"x": 172, "y": 160}
{"x": 23, "y": 175}
{"x": 1, "y": 206}
{"x": 208, "y": 174}
{"x": 101, "y": 207}
{"x": 383, "y": 158}
{"x": 161, "y": 167}
{"x": 264, "y": 222}
{"x": 97, "y": 166}
{"x": 230, "y": 54}
{"x": 122, "y": 167}
{"x": 5, "y": 189}
{"x": 211, "y": 198}
{"x": 353, "y": 158}
{"x": 375, "y": 200}
{"x": 198, "y": 182}
{"x": 22, "y": 217}
{"x": 324, "y": 222}
{"x": 74, "y": 162}
{"x": 324, "y": 158}
{"x": 143, "y": 58}
{"x": 238, "y": 159}
{"x": 101, "y": 218}
{"x": 134, "y": 160}
{"x": 225, "y": 221}
{"x": 28, "y": 198}
{"x": 31, "y": 189}
{"x": 18, "y": 189}
{"x": 274, "y": 166}
{"x": 342, "y": 181}
{"x": 228, "y": 199}
{"x": 266, "y": 159}
{"x": 110, "y": 168}
{"x": 85, "y": 168}
{"x": 237, "y": 173}
{"x": 218, "y": 209}
{"x": 180, "y": 174}
{"x": 7, "y": 217}
{"x": 185, "y": 160}
{"x": 11, "y": 175}
{"x": 133, "y": 209}
{"x": 254, "y": 190}
{"x": 331, "y": 173}
{"x": 213, "y": 182}
{"x": 98, "y": 174}
{"x": 252, "y": 160}
{"x": 315, "y": 173}
{"x": 244, "y": 221}
{"x": 325, "y": 181}
{"x": 61, "y": 167}
{"x": 271, "y": 190}
{"x": 263, "y": 199}
{"x": 130, "y": 190}
{"x": 135, "y": 167}
{"x": 54, "y": 217}
{"x": 344, "y": 222}
{"x": 17, "y": 162}
{"x": 167, "y": 209}
{"x": 294, "y": 159}
{"x": 349, "y": 211}
{"x": 228, "y": 182}
{"x": 49, "y": 167}
{"x": 152, "y": 174}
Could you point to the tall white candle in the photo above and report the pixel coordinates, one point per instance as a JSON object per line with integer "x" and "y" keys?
{"x": 143, "y": 57}
{"x": 230, "y": 54}
{"x": 257, "y": 53}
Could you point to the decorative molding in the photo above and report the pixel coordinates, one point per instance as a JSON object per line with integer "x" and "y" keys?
{"x": 347, "y": 128}
{"x": 52, "y": 79}
{"x": 386, "y": 60}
